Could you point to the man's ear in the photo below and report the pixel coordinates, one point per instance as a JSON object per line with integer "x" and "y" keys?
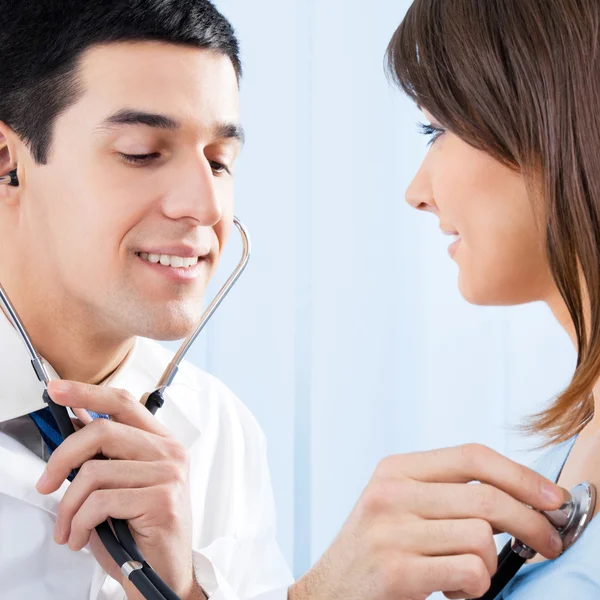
{"x": 8, "y": 161}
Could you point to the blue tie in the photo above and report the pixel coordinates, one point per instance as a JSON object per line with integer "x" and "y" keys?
{"x": 49, "y": 430}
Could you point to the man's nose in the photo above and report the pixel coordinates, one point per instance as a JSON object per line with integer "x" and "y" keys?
{"x": 195, "y": 196}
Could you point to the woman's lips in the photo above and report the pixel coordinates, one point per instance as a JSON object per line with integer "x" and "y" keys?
{"x": 457, "y": 239}
{"x": 454, "y": 246}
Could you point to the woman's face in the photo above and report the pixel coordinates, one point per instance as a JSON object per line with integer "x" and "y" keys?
{"x": 500, "y": 247}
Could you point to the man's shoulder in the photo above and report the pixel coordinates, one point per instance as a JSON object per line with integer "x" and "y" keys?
{"x": 200, "y": 395}
{"x": 154, "y": 358}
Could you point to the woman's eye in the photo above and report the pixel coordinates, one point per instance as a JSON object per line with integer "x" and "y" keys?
{"x": 139, "y": 159}
{"x": 431, "y": 131}
{"x": 219, "y": 168}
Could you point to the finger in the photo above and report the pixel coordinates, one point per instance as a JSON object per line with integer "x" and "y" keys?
{"x": 474, "y": 462}
{"x": 125, "y": 504}
{"x": 119, "y": 404}
{"x": 465, "y": 573}
{"x": 485, "y": 502}
{"x": 462, "y": 595}
{"x": 83, "y": 415}
{"x": 108, "y": 438}
{"x": 103, "y": 474}
{"x": 77, "y": 424}
{"x": 454, "y": 537}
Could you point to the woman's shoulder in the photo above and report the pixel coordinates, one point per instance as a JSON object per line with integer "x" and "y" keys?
{"x": 551, "y": 461}
{"x": 575, "y": 573}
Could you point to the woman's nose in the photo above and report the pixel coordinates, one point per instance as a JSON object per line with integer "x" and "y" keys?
{"x": 419, "y": 194}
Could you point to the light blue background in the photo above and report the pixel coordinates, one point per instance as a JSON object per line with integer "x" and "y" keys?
{"x": 347, "y": 337}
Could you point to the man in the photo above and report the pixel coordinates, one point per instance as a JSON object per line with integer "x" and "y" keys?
{"x": 119, "y": 121}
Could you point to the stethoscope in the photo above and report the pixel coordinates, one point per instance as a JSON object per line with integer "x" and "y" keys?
{"x": 570, "y": 520}
{"x": 122, "y": 546}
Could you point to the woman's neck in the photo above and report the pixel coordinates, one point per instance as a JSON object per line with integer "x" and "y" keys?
{"x": 561, "y": 314}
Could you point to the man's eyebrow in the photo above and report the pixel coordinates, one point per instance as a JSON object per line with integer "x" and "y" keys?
{"x": 230, "y": 131}
{"x": 129, "y": 116}
{"x": 137, "y": 117}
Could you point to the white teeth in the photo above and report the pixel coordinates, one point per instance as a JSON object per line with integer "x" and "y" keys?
{"x": 176, "y": 262}
{"x": 190, "y": 262}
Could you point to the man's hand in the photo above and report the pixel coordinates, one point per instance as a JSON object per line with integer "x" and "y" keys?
{"x": 419, "y": 528}
{"x": 146, "y": 483}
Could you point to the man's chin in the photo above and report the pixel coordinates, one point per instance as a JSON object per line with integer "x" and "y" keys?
{"x": 168, "y": 329}
{"x": 171, "y": 334}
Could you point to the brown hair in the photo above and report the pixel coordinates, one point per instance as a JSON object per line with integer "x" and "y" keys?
{"x": 520, "y": 80}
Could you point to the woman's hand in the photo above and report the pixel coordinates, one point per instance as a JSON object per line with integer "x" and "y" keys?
{"x": 146, "y": 483}
{"x": 421, "y": 527}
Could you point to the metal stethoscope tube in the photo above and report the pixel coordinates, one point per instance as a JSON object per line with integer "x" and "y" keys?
{"x": 122, "y": 546}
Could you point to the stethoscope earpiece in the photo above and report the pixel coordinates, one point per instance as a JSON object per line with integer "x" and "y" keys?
{"x": 10, "y": 179}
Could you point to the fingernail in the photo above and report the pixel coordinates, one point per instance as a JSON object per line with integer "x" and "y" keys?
{"x": 551, "y": 493}
{"x": 42, "y": 481}
{"x": 556, "y": 543}
{"x": 60, "y": 386}
{"x": 58, "y": 536}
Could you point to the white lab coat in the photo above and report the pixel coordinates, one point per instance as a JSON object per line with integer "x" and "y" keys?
{"x": 235, "y": 552}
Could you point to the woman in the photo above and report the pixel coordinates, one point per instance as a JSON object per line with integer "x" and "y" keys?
{"x": 511, "y": 89}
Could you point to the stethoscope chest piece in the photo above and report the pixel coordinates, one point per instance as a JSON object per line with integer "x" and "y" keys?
{"x": 570, "y": 520}
{"x": 577, "y": 513}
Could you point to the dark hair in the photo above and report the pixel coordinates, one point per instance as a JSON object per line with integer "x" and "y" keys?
{"x": 519, "y": 80}
{"x": 42, "y": 41}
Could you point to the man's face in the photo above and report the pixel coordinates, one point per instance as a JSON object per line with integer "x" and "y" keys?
{"x": 93, "y": 223}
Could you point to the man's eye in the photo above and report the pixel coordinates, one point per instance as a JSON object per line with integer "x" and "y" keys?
{"x": 219, "y": 168}
{"x": 139, "y": 159}
{"x": 431, "y": 131}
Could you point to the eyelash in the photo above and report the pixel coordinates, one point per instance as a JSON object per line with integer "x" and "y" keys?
{"x": 141, "y": 160}
{"x": 431, "y": 131}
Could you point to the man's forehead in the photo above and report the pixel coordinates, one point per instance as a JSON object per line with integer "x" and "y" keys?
{"x": 187, "y": 84}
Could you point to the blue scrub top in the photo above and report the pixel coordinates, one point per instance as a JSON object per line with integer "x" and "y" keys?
{"x": 575, "y": 575}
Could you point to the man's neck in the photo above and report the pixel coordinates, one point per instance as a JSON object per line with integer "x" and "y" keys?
{"x": 74, "y": 350}
{"x": 91, "y": 365}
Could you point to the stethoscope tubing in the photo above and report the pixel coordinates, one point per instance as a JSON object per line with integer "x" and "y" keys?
{"x": 509, "y": 564}
{"x": 120, "y": 543}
